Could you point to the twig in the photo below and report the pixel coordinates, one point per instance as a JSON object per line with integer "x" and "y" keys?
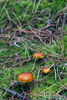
{"x": 14, "y": 93}
{"x": 57, "y": 14}
{"x": 55, "y": 72}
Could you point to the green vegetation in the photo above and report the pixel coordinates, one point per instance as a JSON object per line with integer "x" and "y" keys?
{"x": 14, "y": 56}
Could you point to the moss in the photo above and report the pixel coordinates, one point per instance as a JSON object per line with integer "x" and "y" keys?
{"x": 10, "y": 68}
{"x": 57, "y": 5}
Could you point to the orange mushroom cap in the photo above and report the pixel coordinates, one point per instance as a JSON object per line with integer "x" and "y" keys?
{"x": 25, "y": 77}
{"x": 38, "y": 55}
{"x": 46, "y": 70}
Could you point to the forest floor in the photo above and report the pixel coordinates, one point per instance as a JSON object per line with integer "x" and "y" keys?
{"x": 17, "y": 46}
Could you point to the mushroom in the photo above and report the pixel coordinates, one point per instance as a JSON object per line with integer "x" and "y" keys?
{"x": 46, "y": 70}
{"x": 38, "y": 55}
{"x": 25, "y": 77}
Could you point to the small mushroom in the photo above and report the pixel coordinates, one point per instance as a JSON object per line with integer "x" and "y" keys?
{"x": 25, "y": 77}
{"x": 38, "y": 55}
{"x": 46, "y": 70}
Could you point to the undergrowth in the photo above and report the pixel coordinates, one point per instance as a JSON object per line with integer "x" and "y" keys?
{"x": 14, "y": 53}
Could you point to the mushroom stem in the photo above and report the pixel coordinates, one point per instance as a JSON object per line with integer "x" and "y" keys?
{"x": 51, "y": 66}
{"x": 15, "y": 93}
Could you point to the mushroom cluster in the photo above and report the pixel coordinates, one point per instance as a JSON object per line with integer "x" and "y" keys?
{"x": 27, "y": 77}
